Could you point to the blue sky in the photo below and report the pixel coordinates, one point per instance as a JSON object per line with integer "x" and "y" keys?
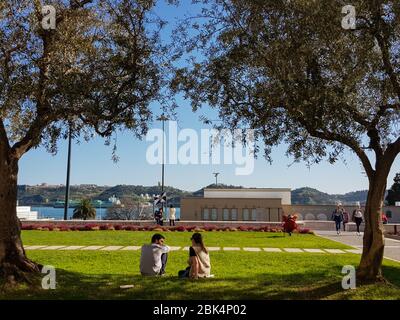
{"x": 91, "y": 162}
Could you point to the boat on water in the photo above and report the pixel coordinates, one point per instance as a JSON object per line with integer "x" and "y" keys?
{"x": 25, "y": 213}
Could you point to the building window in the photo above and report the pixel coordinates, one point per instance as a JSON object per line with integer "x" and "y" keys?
{"x": 254, "y": 214}
{"x": 225, "y": 214}
{"x": 214, "y": 214}
{"x": 246, "y": 214}
{"x": 234, "y": 214}
{"x": 206, "y": 215}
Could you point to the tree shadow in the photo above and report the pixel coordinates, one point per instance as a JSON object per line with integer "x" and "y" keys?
{"x": 324, "y": 283}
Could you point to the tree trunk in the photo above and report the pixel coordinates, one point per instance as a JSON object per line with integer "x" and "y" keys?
{"x": 374, "y": 240}
{"x": 14, "y": 265}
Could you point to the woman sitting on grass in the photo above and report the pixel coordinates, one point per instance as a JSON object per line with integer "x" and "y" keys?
{"x": 199, "y": 260}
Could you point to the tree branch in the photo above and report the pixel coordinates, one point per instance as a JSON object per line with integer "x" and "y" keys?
{"x": 383, "y": 42}
{"x": 351, "y": 143}
{"x": 4, "y": 142}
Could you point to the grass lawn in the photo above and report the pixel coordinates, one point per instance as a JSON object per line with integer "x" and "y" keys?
{"x": 238, "y": 275}
{"x": 174, "y": 238}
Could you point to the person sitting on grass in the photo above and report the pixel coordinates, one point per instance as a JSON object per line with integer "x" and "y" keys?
{"x": 153, "y": 259}
{"x": 199, "y": 260}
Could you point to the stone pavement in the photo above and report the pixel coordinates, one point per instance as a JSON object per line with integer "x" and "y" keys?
{"x": 136, "y": 248}
{"x": 392, "y": 247}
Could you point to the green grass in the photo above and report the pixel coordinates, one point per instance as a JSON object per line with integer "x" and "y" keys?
{"x": 238, "y": 275}
{"x": 212, "y": 239}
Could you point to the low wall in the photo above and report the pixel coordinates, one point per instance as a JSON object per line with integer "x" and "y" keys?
{"x": 309, "y": 224}
{"x": 324, "y": 212}
{"x": 65, "y": 223}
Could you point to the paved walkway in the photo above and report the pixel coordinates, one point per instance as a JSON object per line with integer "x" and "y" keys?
{"x": 392, "y": 247}
{"x": 248, "y": 249}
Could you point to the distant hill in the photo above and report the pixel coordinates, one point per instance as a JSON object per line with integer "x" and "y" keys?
{"x": 47, "y": 195}
{"x": 313, "y": 196}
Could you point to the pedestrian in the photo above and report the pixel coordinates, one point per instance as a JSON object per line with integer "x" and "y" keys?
{"x": 385, "y": 219}
{"x": 358, "y": 217}
{"x": 161, "y": 216}
{"x": 172, "y": 217}
{"x": 337, "y": 216}
{"x": 156, "y": 216}
{"x": 346, "y": 218}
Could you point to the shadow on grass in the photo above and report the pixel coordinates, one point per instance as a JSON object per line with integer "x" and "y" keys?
{"x": 323, "y": 283}
{"x": 297, "y": 286}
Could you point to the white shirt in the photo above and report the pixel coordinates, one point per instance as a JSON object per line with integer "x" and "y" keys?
{"x": 150, "y": 259}
{"x": 358, "y": 213}
{"x": 172, "y": 212}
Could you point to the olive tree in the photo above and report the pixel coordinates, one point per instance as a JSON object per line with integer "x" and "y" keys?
{"x": 319, "y": 76}
{"x": 88, "y": 66}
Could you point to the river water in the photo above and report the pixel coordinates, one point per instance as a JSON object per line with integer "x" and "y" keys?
{"x": 58, "y": 213}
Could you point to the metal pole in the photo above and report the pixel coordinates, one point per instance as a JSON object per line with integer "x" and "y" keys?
{"x": 66, "y": 205}
{"x": 162, "y": 172}
{"x": 163, "y": 160}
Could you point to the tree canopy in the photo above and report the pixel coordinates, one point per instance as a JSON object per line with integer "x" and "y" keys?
{"x": 394, "y": 192}
{"x": 297, "y": 72}
{"x": 96, "y": 72}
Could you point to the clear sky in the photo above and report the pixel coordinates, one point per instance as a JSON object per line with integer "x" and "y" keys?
{"x": 91, "y": 163}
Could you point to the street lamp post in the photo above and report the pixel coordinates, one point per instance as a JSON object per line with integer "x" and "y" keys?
{"x": 163, "y": 118}
{"x": 216, "y": 178}
{"x": 66, "y": 204}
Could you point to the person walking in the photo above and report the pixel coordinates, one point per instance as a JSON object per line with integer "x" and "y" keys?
{"x": 346, "y": 219}
{"x": 337, "y": 216}
{"x": 157, "y": 216}
{"x": 172, "y": 217}
{"x": 358, "y": 217}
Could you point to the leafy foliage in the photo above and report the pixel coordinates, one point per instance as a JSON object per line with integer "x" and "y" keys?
{"x": 97, "y": 72}
{"x": 394, "y": 192}
{"x": 84, "y": 211}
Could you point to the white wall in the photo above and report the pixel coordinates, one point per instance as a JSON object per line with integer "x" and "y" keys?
{"x": 283, "y": 194}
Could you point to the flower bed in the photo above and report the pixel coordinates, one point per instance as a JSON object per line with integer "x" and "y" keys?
{"x": 156, "y": 228}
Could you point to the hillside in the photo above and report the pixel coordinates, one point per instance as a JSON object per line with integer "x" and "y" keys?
{"x": 47, "y": 195}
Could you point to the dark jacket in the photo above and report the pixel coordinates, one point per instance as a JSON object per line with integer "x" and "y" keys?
{"x": 337, "y": 216}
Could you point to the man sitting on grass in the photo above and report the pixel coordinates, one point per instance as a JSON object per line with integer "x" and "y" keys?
{"x": 153, "y": 259}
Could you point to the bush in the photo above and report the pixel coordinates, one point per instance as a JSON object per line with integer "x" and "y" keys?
{"x": 91, "y": 227}
{"x": 119, "y": 227}
{"x": 305, "y": 231}
{"x": 209, "y": 228}
{"x": 28, "y": 227}
{"x": 180, "y": 228}
{"x": 131, "y": 228}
